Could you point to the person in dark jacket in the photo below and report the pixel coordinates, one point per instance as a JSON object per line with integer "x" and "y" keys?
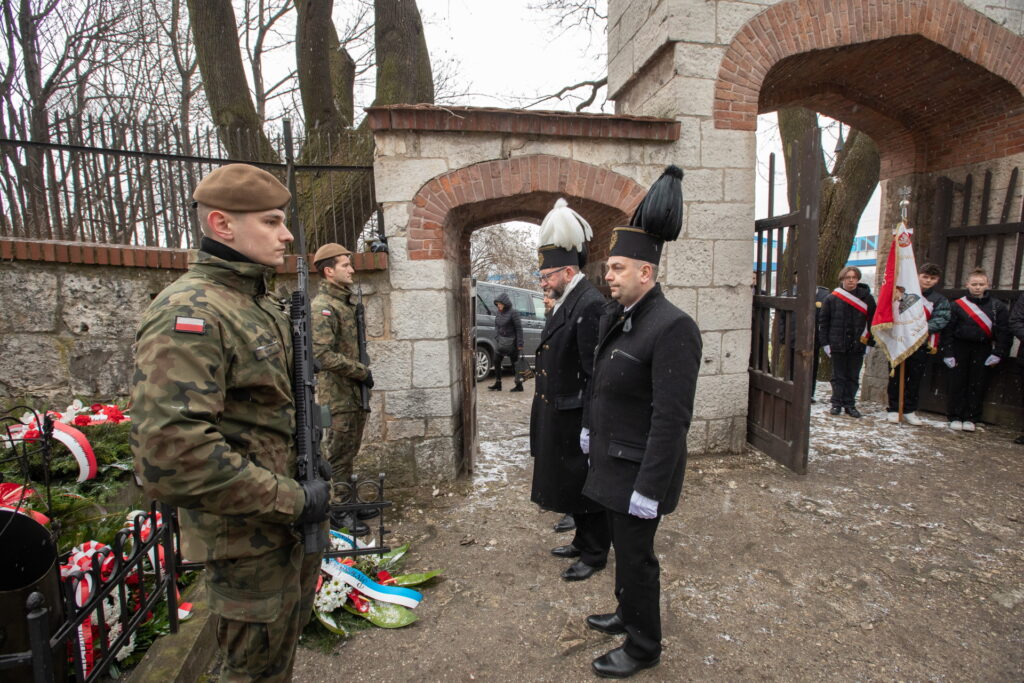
{"x": 937, "y": 310}
{"x": 509, "y": 331}
{"x": 844, "y": 334}
{"x": 635, "y": 426}
{"x": 1017, "y": 330}
{"x": 975, "y": 341}
{"x": 565, "y": 359}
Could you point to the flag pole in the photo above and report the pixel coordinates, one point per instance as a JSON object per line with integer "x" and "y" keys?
{"x": 903, "y": 367}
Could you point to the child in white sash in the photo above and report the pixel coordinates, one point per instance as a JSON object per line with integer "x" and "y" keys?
{"x": 976, "y": 340}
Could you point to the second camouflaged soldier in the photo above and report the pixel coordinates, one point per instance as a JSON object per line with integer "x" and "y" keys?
{"x": 336, "y": 348}
{"x": 213, "y": 422}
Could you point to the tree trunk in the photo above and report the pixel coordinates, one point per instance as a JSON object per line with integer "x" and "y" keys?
{"x": 403, "y": 63}
{"x": 844, "y": 194}
{"x": 220, "y": 64}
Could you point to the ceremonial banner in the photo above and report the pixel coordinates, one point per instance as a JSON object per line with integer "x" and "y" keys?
{"x": 900, "y": 324}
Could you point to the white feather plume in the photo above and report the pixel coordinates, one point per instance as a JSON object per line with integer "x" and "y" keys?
{"x": 565, "y": 228}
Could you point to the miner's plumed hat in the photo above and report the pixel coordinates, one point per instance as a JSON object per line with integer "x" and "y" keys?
{"x": 329, "y": 250}
{"x": 242, "y": 188}
{"x": 658, "y": 219}
{"x": 563, "y": 238}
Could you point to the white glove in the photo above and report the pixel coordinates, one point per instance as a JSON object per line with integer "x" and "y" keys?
{"x": 643, "y": 507}
{"x": 828, "y": 350}
{"x": 585, "y": 441}
{"x": 950, "y": 362}
{"x": 867, "y": 350}
{"x": 992, "y": 360}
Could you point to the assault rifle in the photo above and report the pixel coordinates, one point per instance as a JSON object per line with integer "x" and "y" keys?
{"x": 309, "y": 422}
{"x": 364, "y": 358}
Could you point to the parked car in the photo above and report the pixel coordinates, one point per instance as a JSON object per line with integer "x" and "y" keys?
{"x": 530, "y": 305}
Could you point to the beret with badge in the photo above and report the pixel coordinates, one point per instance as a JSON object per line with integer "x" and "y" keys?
{"x": 241, "y": 188}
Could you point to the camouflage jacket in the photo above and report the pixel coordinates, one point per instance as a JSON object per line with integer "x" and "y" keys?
{"x": 336, "y": 347}
{"x": 212, "y": 410}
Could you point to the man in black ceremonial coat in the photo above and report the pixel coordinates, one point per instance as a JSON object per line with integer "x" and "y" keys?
{"x": 639, "y": 412}
{"x": 565, "y": 358}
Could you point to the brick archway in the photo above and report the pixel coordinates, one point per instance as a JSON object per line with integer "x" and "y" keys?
{"x": 935, "y": 84}
{"x": 454, "y": 204}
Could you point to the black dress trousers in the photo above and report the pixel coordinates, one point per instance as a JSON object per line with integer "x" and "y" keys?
{"x": 846, "y": 377}
{"x": 593, "y": 537}
{"x": 637, "y": 583}
{"x": 968, "y": 381}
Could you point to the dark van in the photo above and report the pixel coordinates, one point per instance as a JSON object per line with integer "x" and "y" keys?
{"x": 530, "y": 305}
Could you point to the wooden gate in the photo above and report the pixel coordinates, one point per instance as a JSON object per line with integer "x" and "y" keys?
{"x": 962, "y": 239}
{"x": 782, "y": 341}
{"x": 467, "y": 454}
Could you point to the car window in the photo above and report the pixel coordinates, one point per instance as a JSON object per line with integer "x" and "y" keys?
{"x": 524, "y": 304}
{"x": 538, "y": 306}
{"x": 482, "y": 308}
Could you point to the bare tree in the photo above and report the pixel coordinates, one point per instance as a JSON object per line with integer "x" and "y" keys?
{"x": 504, "y": 253}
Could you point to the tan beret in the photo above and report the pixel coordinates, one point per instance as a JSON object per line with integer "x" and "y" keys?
{"x": 330, "y": 250}
{"x": 242, "y": 188}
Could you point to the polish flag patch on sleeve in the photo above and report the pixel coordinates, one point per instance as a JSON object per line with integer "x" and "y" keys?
{"x": 190, "y": 325}
{"x": 325, "y": 311}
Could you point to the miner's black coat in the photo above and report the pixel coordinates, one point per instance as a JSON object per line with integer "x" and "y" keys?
{"x": 565, "y": 359}
{"x": 641, "y": 403}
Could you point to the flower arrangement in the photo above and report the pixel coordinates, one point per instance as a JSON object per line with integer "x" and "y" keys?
{"x": 366, "y": 587}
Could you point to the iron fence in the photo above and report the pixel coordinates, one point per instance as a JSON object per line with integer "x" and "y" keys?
{"x": 80, "y": 624}
{"x": 131, "y": 182}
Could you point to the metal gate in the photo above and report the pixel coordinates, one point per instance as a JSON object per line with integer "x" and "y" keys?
{"x": 782, "y": 340}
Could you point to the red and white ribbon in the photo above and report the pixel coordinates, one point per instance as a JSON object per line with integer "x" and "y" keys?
{"x": 979, "y": 316}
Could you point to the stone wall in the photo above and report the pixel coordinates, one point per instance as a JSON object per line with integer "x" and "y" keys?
{"x": 67, "y": 330}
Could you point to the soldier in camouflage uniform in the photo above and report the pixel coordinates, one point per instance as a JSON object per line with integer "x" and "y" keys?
{"x": 213, "y": 420}
{"x": 336, "y": 348}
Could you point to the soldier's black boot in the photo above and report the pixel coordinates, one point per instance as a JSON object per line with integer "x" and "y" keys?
{"x": 517, "y": 387}
{"x": 496, "y": 386}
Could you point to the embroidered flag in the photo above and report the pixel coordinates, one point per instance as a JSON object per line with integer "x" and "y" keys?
{"x": 190, "y": 325}
{"x": 933, "y": 338}
{"x": 979, "y": 316}
{"x": 900, "y": 324}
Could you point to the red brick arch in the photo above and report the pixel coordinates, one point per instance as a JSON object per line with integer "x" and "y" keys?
{"x": 523, "y": 188}
{"x": 798, "y": 26}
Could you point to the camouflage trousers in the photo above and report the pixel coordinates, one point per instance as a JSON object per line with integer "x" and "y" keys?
{"x": 342, "y": 444}
{"x": 263, "y": 603}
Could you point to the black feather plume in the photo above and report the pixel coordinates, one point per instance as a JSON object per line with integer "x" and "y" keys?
{"x": 661, "y": 212}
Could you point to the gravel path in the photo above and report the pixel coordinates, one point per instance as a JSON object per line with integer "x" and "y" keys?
{"x": 899, "y": 557}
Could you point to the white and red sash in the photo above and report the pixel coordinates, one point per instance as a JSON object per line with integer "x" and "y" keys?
{"x": 933, "y": 338}
{"x": 861, "y": 306}
{"x": 849, "y": 298}
{"x": 977, "y": 315}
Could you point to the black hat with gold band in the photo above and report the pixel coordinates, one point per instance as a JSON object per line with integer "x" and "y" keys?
{"x": 658, "y": 219}
{"x": 563, "y": 238}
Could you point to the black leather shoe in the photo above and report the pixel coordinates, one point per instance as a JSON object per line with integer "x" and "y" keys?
{"x": 518, "y": 387}
{"x": 618, "y": 664}
{"x": 606, "y": 623}
{"x": 566, "y": 523}
{"x": 835, "y": 410}
{"x": 349, "y": 522}
{"x": 1019, "y": 440}
{"x": 566, "y": 551}
{"x": 495, "y": 387}
{"x": 580, "y": 571}
{"x": 853, "y": 412}
{"x": 367, "y": 513}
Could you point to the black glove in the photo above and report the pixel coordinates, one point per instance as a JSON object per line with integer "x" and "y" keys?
{"x": 325, "y": 470}
{"x": 368, "y": 382}
{"x": 318, "y": 496}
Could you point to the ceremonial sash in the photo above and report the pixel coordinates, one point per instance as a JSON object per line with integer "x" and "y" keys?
{"x": 977, "y": 315}
{"x": 933, "y": 338}
{"x": 406, "y": 597}
{"x": 849, "y": 298}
